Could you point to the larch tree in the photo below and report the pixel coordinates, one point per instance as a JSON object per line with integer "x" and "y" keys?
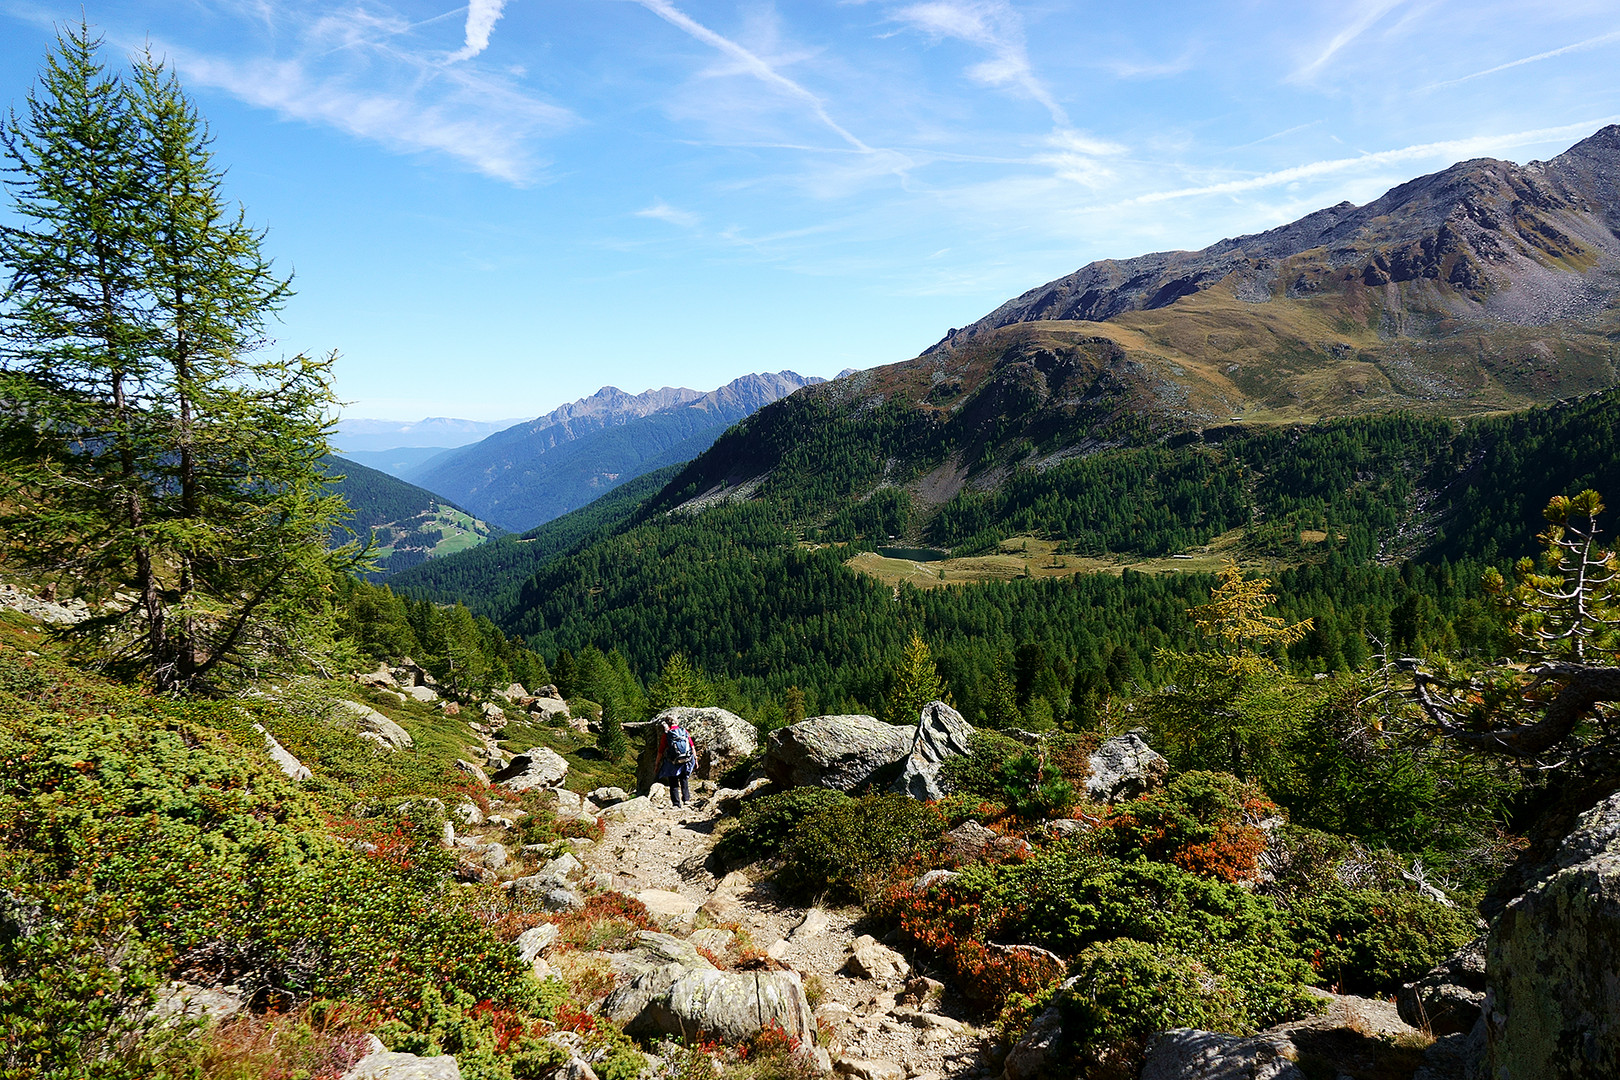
{"x": 916, "y": 682}
{"x": 160, "y": 456}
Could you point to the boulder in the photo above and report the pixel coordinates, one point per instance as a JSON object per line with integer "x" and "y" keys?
{"x": 654, "y": 950}
{"x": 493, "y": 715}
{"x": 382, "y": 1064}
{"x": 532, "y": 943}
{"x": 629, "y": 809}
{"x": 609, "y": 796}
{"x": 729, "y": 800}
{"x": 514, "y": 692}
{"x": 722, "y": 740}
{"x": 377, "y": 727}
{"x": 537, "y": 767}
{"x": 838, "y": 752}
{"x": 669, "y": 908}
{"x": 1186, "y": 1054}
{"x": 382, "y": 678}
{"x": 869, "y": 960}
{"x": 1447, "y": 1000}
{"x": 425, "y": 694}
{"x": 1125, "y": 767}
{"x": 869, "y": 1069}
{"x": 1066, "y": 828}
{"x": 177, "y": 1001}
{"x": 468, "y": 813}
{"x": 941, "y": 733}
{"x": 547, "y": 707}
{"x": 971, "y": 841}
{"x": 296, "y": 770}
{"x": 410, "y": 673}
{"x": 730, "y": 1006}
{"x": 935, "y": 877}
{"x": 1552, "y": 1004}
{"x": 474, "y": 771}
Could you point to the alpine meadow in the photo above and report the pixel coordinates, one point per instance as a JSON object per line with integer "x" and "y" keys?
{"x": 1204, "y": 665}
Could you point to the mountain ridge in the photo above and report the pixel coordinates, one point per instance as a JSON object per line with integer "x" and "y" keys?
{"x": 532, "y": 472}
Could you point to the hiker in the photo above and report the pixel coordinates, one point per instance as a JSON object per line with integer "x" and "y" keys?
{"x": 677, "y": 757}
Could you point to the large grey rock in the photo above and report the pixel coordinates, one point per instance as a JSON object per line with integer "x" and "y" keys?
{"x": 425, "y": 694}
{"x": 1552, "y": 1005}
{"x": 838, "y": 752}
{"x": 382, "y": 1064}
{"x": 731, "y": 1006}
{"x": 722, "y": 740}
{"x": 869, "y": 960}
{"x": 296, "y": 770}
{"x": 536, "y": 767}
{"x": 533, "y": 943}
{"x": 377, "y": 727}
{"x": 609, "y": 796}
{"x": 1039, "y": 1050}
{"x": 1447, "y": 1000}
{"x": 941, "y": 733}
{"x": 1125, "y": 767}
{"x": 1190, "y": 1054}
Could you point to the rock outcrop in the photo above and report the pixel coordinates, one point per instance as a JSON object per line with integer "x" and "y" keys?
{"x": 722, "y": 739}
{"x": 1447, "y": 1000}
{"x": 941, "y": 733}
{"x": 376, "y": 727}
{"x": 296, "y": 770}
{"x": 838, "y": 752}
{"x": 536, "y": 767}
{"x": 1552, "y": 1004}
{"x": 1125, "y": 767}
{"x": 732, "y": 1006}
{"x": 1190, "y": 1054}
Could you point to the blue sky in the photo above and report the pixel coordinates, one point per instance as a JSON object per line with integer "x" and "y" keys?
{"x": 496, "y": 208}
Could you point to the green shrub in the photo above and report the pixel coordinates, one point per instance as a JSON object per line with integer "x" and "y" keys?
{"x": 488, "y": 1043}
{"x": 980, "y": 773}
{"x": 1125, "y": 990}
{"x": 766, "y": 823}
{"x": 844, "y": 849}
{"x": 1369, "y": 941}
{"x": 1033, "y": 789}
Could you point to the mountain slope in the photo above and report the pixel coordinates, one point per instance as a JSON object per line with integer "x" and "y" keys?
{"x": 362, "y": 434}
{"x": 533, "y": 472}
{"x": 1486, "y": 287}
{"x": 409, "y": 524}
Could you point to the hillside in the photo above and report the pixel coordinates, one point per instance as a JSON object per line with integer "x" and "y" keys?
{"x": 533, "y": 472}
{"x": 362, "y": 434}
{"x": 409, "y": 525}
{"x": 1486, "y": 287}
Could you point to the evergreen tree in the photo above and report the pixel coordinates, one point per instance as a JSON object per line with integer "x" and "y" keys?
{"x": 916, "y": 683}
{"x": 1001, "y": 700}
{"x": 680, "y": 683}
{"x": 162, "y": 454}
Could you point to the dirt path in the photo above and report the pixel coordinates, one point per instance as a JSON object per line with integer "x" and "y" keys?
{"x": 880, "y": 1033}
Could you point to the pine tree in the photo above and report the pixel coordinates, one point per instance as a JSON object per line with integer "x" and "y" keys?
{"x": 680, "y": 683}
{"x": 1001, "y": 700}
{"x": 916, "y": 683}
{"x": 164, "y": 454}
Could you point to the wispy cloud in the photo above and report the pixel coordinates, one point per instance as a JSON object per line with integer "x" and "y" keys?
{"x": 754, "y": 65}
{"x": 994, "y": 26}
{"x": 662, "y": 211}
{"x": 1454, "y": 149}
{"x": 1589, "y": 43}
{"x": 1366, "y": 14}
{"x": 370, "y": 73}
{"x": 481, "y": 18}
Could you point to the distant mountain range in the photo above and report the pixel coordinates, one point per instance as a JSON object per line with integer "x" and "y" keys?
{"x": 360, "y": 435}
{"x": 535, "y": 471}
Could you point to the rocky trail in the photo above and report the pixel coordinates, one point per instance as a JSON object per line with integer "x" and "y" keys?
{"x": 887, "y": 1022}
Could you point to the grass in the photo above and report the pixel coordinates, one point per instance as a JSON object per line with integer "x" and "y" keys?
{"x": 1032, "y": 557}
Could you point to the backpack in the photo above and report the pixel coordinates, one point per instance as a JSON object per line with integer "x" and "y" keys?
{"x": 681, "y": 750}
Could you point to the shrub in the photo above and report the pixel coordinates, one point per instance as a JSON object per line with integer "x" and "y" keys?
{"x": 1033, "y": 789}
{"x": 845, "y": 849}
{"x": 1204, "y": 822}
{"x": 979, "y": 773}
{"x": 766, "y": 823}
{"x": 1369, "y": 941}
{"x": 1125, "y": 990}
{"x": 489, "y": 1042}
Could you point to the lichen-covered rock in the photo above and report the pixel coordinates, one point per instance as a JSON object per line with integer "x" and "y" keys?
{"x": 1190, "y": 1054}
{"x": 1447, "y": 1000}
{"x": 731, "y": 1006}
{"x": 377, "y": 727}
{"x": 1039, "y": 1050}
{"x": 533, "y": 943}
{"x": 609, "y": 796}
{"x": 869, "y": 960}
{"x": 382, "y": 1064}
{"x": 838, "y": 752}
{"x": 941, "y": 733}
{"x": 296, "y": 770}
{"x": 1552, "y": 1005}
{"x": 722, "y": 740}
{"x": 537, "y": 767}
{"x": 1125, "y": 767}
